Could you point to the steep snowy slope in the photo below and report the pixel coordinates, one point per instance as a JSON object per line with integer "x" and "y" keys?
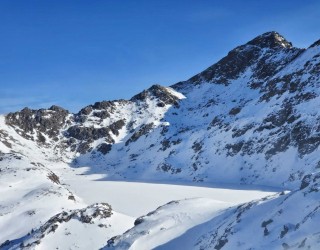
{"x": 25, "y": 190}
{"x": 38, "y": 210}
{"x": 283, "y": 221}
{"x": 166, "y": 223}
{"x": 251, "y": 119}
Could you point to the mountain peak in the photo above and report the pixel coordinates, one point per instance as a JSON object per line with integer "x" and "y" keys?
{"x": 162, "y": 93}
{"x": 272, "y": 40}
{"x": 251, "y": 55}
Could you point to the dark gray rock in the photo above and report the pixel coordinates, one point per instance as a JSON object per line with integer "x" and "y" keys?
{"x": 245, "y": 56}
{"x": 84, "y": 147}
{"x": 304, "y": 138}
{"x": 237, "y": 132}
{"x": 86, "y": 110}
{"x": 235, "y": 111}
{"x": 281, "y": 144}
{"x": 166, "y": 167}
{"x": 143, "y": 130}
{"x": 101, "y": 110}
{"x": 315, "y": 44}
{"x": 86, "y": 135}
{"x": 47, "y": 121}
{"x": 270, "y": 40}
{"x": 116, "y": 126}
{"x": 159, "y": 92}
{"x": 89, "y": 133}
{"x": 104, "y": 148}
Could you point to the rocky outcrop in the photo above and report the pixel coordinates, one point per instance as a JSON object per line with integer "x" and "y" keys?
{"x": 89, "y": 133}
{"x": 156, "y": 91}
{"x": 258, "y": 55}
{"x": 100, "y": 110}
{"x": 251, "y": 118}
{"x": 143, "y": 130}
{"x": 104, "y": 148}
{"x": 93, "y": 214}
{"x": 246, "y": 111}
{"x": 272, "y": 40}
{"x": 86, "y": 135}
{"x": 30, "y": 122}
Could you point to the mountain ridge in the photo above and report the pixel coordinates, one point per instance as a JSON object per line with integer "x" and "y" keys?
{"x": 252, "y": 118}
{"x": 128, "y": 120}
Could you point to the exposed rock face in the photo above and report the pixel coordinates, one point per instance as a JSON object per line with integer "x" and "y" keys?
{"x": 104, "y": 148}
{"x": 251, "y": 118}
{"x": 85, "y": 215}
{"x": 271, "y": 40}
{"x": 87, "y": 133}
{"x": 315, "y": 44}
{"x": 145, "y": 129}
{"x": 252, "y": 110}
{"x": 260, "y": 54}
{"x": 47, "y": 121}
{"x": 159, "y": 92}
{"x": 100, "y": 110}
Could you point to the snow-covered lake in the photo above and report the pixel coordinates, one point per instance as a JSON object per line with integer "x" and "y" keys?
{"x": 135, "y": 199}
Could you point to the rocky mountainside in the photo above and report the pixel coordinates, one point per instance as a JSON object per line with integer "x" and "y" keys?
{"x": 252, "y": 118}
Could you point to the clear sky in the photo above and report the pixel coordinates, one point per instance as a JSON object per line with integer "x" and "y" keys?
{"x": 75, "y": 52}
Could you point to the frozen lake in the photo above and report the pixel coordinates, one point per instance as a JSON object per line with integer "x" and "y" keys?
{"x": 136, "y": 199}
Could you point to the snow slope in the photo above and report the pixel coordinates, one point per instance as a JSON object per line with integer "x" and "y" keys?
{"x": 26, "y": 190}
{"x": 283, "y": 221}
{"x": 249, "y": 120}
{"x": 288, "y": 221}
{"x": 43, "y": 199}
{"x": 167, "y": 222}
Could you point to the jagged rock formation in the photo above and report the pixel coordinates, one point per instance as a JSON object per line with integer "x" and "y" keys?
{"x": 251, "y": 118}
{"x": 265, "y": 55}
{"x": 249, "y": 108}
{"x": 277, "y": 221}
{"x": 34, "y": 123}
{"x": 162, "y": 94}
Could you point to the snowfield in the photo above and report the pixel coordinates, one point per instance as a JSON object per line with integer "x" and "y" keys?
{"x": 136, "y": 199}
{"x": 228, "y": 159}
{"x": 28, "y": 204}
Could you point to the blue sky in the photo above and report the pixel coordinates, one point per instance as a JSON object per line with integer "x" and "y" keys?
{"x": 73, "y": 53}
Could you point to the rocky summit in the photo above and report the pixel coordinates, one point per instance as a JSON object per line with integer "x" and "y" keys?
{"x": 251, "y": 119}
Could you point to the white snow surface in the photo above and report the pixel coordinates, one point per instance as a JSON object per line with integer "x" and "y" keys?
{"x": 29, "y": 198}
{"x": 204, "y": 148}
{"x": 169, "y": 222}
{"x": 136, "y": 199}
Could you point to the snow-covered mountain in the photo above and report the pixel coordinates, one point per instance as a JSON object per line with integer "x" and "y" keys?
{"x": 251, "y": 119}
{"x": 284, "y": 221}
